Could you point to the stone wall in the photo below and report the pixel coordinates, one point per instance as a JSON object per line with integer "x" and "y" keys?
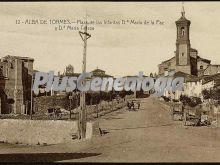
{"x": 37, "y": 131}
{"x": 212, "y": 69}
{"x": 105, "y": 107}
{"x": 41, "y": 104}
{"x": 167, "y": 65}
{"x": 183, "y": 68}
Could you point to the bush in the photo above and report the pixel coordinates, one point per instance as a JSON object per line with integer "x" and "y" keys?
{"x": 206, "y": 94}
{"x": 96, "y": 97}
{"x": 141, "y": 94}
{"x": 190, "y": 101}
{"x": 167, "y": 99}
{"x": 175, "y": 100}
{"x": 211, "y": 94}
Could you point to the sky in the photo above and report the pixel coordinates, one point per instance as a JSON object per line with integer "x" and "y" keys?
{"x": 118, "y": 49}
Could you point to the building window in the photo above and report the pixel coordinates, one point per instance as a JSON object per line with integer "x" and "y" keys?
{"x": 201, "y": 67}
{"x": 182, "y": 54}
{"x": 182, "y": 31}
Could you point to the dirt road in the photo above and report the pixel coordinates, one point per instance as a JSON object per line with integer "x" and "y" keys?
{"x": 145, "y": 135}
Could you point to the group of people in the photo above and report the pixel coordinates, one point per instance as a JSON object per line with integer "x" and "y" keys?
{"x": 131, "y": 105}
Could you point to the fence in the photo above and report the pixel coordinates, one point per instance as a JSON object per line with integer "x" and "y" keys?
{"x": 105, "y": 107}
{"x": 92, "y": 111}
{"x": 206, "y": 111}
{"x": 214, "y": 114}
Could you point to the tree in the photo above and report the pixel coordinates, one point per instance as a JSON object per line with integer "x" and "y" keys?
{"x": 190, "y": 101}
{"x": 211, "y": 94}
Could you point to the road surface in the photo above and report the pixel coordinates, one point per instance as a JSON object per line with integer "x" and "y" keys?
{"x": 145, "y": 135}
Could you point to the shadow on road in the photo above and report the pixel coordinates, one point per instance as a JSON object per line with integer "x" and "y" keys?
{"x": 163, "y": 125}
{"x": 43, "y": 157}
{"x": 110, "y": 118}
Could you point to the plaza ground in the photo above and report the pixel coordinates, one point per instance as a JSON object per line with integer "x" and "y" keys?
{"x": 146, "y": 135}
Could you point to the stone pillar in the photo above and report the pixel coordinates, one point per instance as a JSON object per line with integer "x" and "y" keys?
{"x": 28, "y": 66}
{"x": 18, "y": 88}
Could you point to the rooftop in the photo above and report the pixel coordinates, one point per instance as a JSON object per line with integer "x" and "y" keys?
{"x": 168, "y": 59}
{"x": 203, "y": 59}
{"x": 188, "y": 77}
{"x": 183, "y": 20}
{"x": 98, "y": 70}
{"x": 193, "y": 50}
{"x": 18, "y": 57}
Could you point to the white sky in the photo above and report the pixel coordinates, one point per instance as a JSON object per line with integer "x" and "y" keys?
{"x": 120, "y": 50}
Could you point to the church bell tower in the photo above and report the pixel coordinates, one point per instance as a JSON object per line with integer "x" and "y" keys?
{"x": 183, "y": 44}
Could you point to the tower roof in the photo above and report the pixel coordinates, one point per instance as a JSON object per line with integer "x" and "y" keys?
{"x": 183, "y": 18}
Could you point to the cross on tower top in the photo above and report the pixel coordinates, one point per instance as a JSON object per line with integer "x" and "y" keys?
{"x": 183, "y": 11}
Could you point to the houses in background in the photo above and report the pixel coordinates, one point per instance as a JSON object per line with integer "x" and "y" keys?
{"x": 186, "y": 58}
{"x": 69, "y": 72}
{"x": 198, "y": 72}
{"x": 194, "y": 86}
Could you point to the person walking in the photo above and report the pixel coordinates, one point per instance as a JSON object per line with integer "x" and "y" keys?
{"x": 138, "y": 105}
{"x": 132, "y": 104}
{"x": 129, "y": 106}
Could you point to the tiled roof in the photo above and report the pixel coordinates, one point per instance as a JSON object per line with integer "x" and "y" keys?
{"x": 193, "y": 50}
{"x": 98, "y": 70}
{"x": 168, "y": 59}
{"x": 19, "y": 57}
{"x": 203, "y": 59}
{"x": 101, "y": 75}
{"x": 211, "y": 77}
{"x": 188, "y": 77}
{"x": 134, "y": 76}
{"x": 208, "y": 78}
{"x": 71, "y": 75}
{"x": 183, "y": 19}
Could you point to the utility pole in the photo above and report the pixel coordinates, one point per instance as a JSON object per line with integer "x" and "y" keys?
{"x": 82, "y": 118}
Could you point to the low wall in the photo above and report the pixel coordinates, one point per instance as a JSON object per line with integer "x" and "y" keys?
{"x": 37, "y": 131}
{"x": 41, "y": 104}
{"x": 105, "y": 106}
